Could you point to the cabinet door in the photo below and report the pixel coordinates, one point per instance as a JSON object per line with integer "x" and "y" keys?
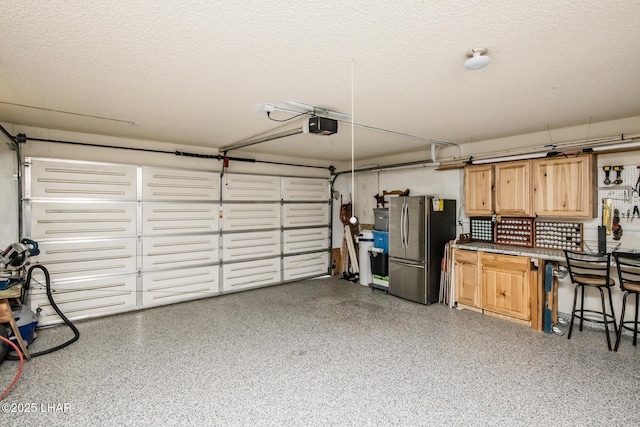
{"x": 466, "y": 278}
{"x": 563, "y": 187}
{"x": 478, "y": 193}
{"x": 513, "y": 188}
{"x": 505, "y": 285}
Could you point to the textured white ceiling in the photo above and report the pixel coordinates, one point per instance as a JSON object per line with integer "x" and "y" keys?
{"x": 197, "y": 72}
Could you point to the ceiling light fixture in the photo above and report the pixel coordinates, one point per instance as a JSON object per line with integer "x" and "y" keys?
{"x": 477, "y": 59}
{"x": 508, "y": 158}
{"x": 626, "y": 144}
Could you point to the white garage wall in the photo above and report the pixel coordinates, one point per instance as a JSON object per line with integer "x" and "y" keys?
{"x": 630, "y": 230}
{"x": 8, "y": 195}
{"x": 595, "y": 130}
{"x": 421, "y": 180}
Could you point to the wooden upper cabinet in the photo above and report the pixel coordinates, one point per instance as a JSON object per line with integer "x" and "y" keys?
{"x": 478, "y": 193}
{"x": 564, "y": 187}
{"x": 513, "y": 188}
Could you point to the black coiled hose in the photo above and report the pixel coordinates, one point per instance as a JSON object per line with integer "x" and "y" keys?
{"x": 23, "y": 297}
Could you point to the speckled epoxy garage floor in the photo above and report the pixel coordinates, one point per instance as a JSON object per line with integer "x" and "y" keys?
{"x": 323, "y": 352}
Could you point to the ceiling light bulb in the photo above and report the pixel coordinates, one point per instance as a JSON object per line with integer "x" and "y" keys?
{"x": 477, "y": 59}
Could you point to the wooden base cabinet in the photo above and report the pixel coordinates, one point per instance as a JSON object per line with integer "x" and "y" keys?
{"x": 506, "y": 285}
{"x": 467, "y": 280}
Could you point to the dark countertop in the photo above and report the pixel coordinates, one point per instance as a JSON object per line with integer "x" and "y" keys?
{"x": 546, "y": 254}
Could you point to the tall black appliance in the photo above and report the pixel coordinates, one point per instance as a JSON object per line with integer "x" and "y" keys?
{"x": 418, "y": 232}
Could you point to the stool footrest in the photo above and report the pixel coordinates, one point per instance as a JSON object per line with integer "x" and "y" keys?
{"x": 580, "y": 314}
{"x": 626, "y": 325}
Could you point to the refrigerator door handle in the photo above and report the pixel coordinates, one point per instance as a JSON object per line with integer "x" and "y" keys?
{"x": 406, "y": 264}
{"x": 405, "y": 225}
{"x": 402, "y": 225}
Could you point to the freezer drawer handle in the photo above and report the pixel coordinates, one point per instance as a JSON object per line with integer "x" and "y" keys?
{"x": 404, "y": 264}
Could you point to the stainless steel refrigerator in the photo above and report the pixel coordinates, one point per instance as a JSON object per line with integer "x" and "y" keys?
{"x": 417, "y": 236}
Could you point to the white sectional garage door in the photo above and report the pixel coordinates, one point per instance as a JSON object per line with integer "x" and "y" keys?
{"x": 84, "y": 217}
{"x": 306, "y": 237}
{"x": 117, "y": 238}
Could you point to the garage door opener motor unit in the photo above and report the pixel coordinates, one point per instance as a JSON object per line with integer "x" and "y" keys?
{"x": 321, "y": 126}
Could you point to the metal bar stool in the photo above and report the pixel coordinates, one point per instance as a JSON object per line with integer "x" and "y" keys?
{"x": 629, "y": 278}
{"x": 591, "y": 270}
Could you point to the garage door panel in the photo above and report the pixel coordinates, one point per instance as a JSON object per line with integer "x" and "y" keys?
{"x": 176, "y": 184}
{"x": 306, "y": 214}
{"x": 250, "y": 274}
{"x": 85, "y": 298}
{"x": 166, "y": 287}
{"x": 84, "y": 180}
{"x": 309, "y": 265}
{"x": 243, "y": 217}
{"x": 307, "y": 239}
{"x": 59, "y": 220}
{"x": 250, "y": 187}
{"x": 176, "y": 218}
{"x": 305, "y": 189}
{"x": 69, "y": 260}
{"x": 179, "y": 251}
{"x": 257, "y": 244}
